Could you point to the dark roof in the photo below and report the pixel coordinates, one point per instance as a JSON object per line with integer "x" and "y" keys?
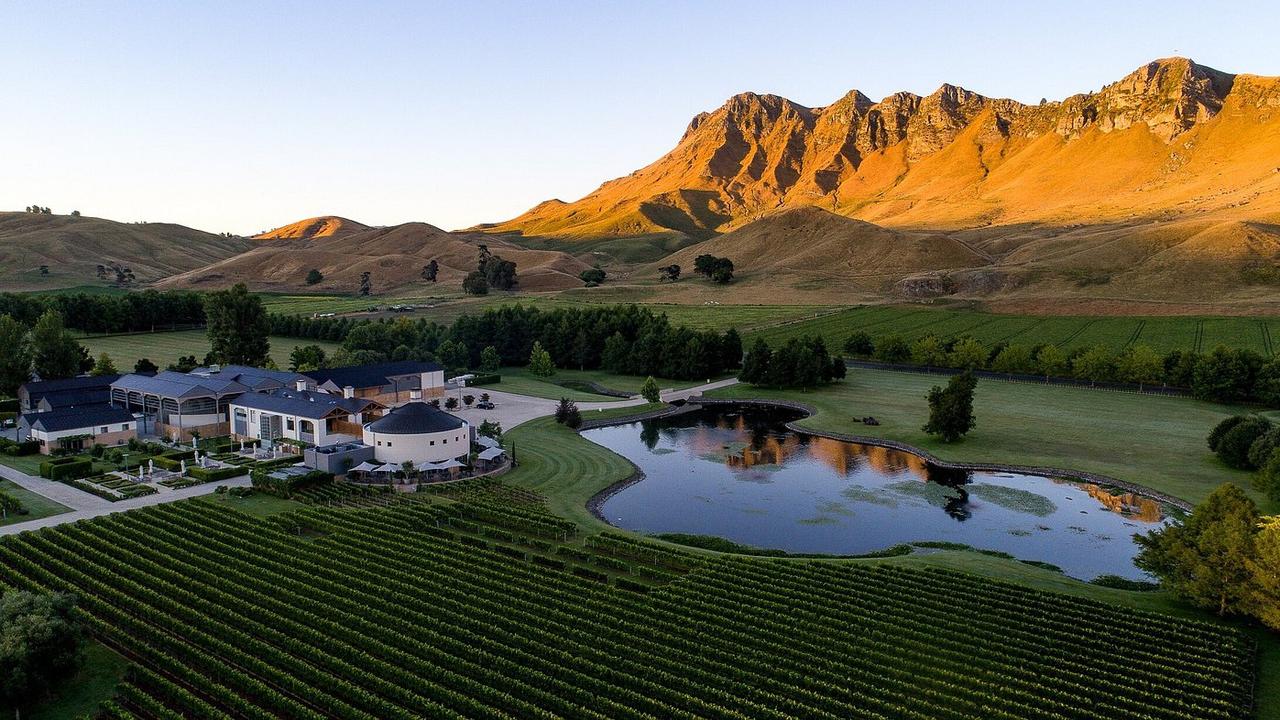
{"x": 250, "y": 376}
{"x": 74, "y": 418}
{"x": 415, "y": 418}
{"x": 39, "y": 388}
{"x": 73, "y": 397}
{"x": 363, "y": 376}
{"x": 302, "y": 403}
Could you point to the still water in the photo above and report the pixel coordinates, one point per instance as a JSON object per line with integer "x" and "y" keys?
{"x": 737, "y": 472}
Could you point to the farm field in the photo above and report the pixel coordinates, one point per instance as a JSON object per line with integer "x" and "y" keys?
{"x": 163, "y": 348}
{"x": 573, "y": 384}
{"x": 1154, "y": 441}
{"x": 409, "y": 611}
{"x": 1160, "y": 333}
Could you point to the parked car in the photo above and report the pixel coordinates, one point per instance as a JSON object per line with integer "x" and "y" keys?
{"x": 484, "y": 406}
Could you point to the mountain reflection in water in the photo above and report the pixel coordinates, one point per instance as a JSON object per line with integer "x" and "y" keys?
{"x": 739, "y": 473}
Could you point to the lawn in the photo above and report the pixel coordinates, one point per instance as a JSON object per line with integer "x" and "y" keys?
{"x": 573, "y": 384}
{"x": 79, "y": 695}
{"x": 257, "y": 504}
{"x": 29, "y": 464}
{"x": 38, "y": 505}
{"x": 1161, "y": 333}
{"x": 568, "y": 469}
{"x": 1154, "y": 441}
{"x": 163, "y": 348}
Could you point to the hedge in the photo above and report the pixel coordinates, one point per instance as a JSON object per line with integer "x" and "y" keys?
{"x": 278, "y": 462}
{"x": 9, "y": 405}
{"x": 166, "y": 463}
{"x": 486, "y": 379}
{"x": 213, "y": 474}
{"x": 65, "y": 468}
{"x": 27, "y": 447}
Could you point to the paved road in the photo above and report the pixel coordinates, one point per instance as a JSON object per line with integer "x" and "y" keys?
{"x": 510, "y": 410}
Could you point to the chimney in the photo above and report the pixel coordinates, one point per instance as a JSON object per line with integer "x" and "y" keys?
{"x": 415, "y": 395}
{"x": 348, "y": 392}
{"x": 300, "y": 385}
{"x": 215, "y": 367}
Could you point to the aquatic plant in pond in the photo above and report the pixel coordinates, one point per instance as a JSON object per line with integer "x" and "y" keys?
{"x": 740, "y": 474}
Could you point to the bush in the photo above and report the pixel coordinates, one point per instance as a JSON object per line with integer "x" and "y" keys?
{"x": 9, "y": 405}
{"x": 213, "y": 474}
{"x": 1222, "y": 428}
{"x": 27, "y": 447}
{"x": 1233, "y": 448}
{"x": 66, "y": 468}
{"x": 859, "y": 344}
{"x": 1261, "y": 449}
{"x": 485, "y": 379}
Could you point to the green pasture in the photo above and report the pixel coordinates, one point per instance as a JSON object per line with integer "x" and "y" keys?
{"x": 163, "y": 348}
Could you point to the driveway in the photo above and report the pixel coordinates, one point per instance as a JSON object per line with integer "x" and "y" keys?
{"x": 511, "y": 409}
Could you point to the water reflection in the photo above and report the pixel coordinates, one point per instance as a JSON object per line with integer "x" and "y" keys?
{"x": 741, "y": 474}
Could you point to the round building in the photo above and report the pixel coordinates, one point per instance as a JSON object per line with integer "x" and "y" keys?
{"x": 417, "y": 432}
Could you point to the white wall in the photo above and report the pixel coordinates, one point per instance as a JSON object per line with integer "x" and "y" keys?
{"x": 429, "y": 447}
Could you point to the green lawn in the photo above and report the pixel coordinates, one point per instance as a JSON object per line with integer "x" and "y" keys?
{"x": 163, "y": 348}
{"x": 29, "y": 464}
{"x": 568, "y": 469}
{"x": 79, "y": 695}
{"x": 1153, "y": 441}
{"x": 38, "y": 505}
{"x": 257, "y": 504}
{"x": 1161, "y": 333}
{"x": 573, "y": 384}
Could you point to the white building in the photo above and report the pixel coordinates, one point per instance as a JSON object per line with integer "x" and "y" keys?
{"x": 418, "y": 432}
{"x": 308, "y": 416}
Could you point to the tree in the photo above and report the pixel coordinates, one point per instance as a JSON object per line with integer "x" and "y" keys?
{"x": 44, "y": 269}
{"x": 592, "y": 276}
{"x": 1268, "y": 478}
{"x": 238, "y": 327}
{"x": 185, "y": 363}
{"x": 893, "y": 349}
{"x": 722, "y": 273}
{"x": 951, "y": 408}
{"x": 451, "y": 403}
{"x": 468, "y": 399}
{"x": 1234, "y": 445}
{"x": 1266, "y": 387}
{"x": 859, "y": 344}
{"x": 314, "y": 276}
{"x": 1264, "y": 571}
{"x": 704, "y": 264}
{"x": 431, "y": 270}
{"x": 54, "y": 352}
{"x": 755, "y": 366}
{"x": 1225, "y": 375}
{"x": 475, "y": 284}
{"x": 968, "y": 354}
{"x": 1206, "y": 558}
{"x": 1095, "y": 364}
{"x": 567, "y": 413}
{"x": 366, "y": 283}
{"x": 1051, "y": 361}
{"x": 498, "y": 273}
{"x": 1015, "y": 360}
{"x": 1222, "y": 428}
{"x": 731, "y": 349}
{"x": 75, "y": 213}
{"x": 540, "y": 364}
{"x": 669, "y": 273}
{"x": 15, "y": 360}
{"x": 306, "y": 358}
{"x": 649, "y": 390}
{"x": 490, "y": 360}
{"x": 104, "y": 366}
{"x": 1141, "y": 365}
{"x": 453, "y": 355}
{"x": 490, "y": 429}
{"x": 41, "y": 642}
{"x": 928, "y": 350}
{"x": 145, "y": 366}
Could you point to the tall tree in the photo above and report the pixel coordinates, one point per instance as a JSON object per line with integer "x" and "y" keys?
{"x": 649, "y": 390}
{"x": 431, "y": 270}
{"x": 475, "y": 283}
{"x": 41, "y": 643}
{"x": 1264, "y": 571}
{"x": 951, "y": 408}
{"x": 314, "y": 276}
{"x": 306, "y": 357}
{"x": 145, "y": 365}
{"x": 1205, "y": 559}
{"x": 540, "y": 364}
{"x": 238, "y": 327}
{"x": 54, "y": 352}
{"x": 103, "y": 366}
{"x": 366, "y": 283}
{"x": 15, "y": 360}
{"x": 669, "y": 273}
{"x": 490, "y": 360}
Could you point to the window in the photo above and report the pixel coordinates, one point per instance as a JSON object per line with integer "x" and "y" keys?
{"x": 104, "y": 429}
{"x": 379, "y": 443}
{"x": 433, "y": 443}
{"x": 388, "y": 443}
{"x": 289, "y": 423}
{"x": 124, "y": 427}
{"x": 444, "y": 441}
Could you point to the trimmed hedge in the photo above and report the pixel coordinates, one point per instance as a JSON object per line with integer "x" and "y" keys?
{"x": 213, "y": 474}
{"x": 486, "y": 379}
{"x": 65, "y": 468}
{"x": 27, "y": 447}
{"x": 278, "y": 462}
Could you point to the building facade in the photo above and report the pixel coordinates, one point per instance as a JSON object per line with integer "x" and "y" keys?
{"x": 78, "y": 428}
{"x": 418, "y": 432}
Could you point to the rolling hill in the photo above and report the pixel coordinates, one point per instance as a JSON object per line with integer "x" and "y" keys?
{"x": 1164, "y": 185}
{"x": 72, "y": 248}
{"x": 316, "y": 227}
{"x": 393, "y": 255}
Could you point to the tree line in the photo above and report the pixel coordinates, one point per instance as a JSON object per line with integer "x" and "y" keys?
{"x": 1222, "y": 375}
{"x": 127, "y": 312}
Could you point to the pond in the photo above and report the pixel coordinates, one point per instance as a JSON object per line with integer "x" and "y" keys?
{"x": 739, "y": 473}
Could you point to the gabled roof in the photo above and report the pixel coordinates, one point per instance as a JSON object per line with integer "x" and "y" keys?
{"x": 302, "y": 403}
{"x": 40, "y": 388}
{"x": 363, "y": 376}
{"x": 76, "y": 418}
{"x": 252, "y": 377}
{"x": 415, "y": 418}
{"x": 73, "y": 397}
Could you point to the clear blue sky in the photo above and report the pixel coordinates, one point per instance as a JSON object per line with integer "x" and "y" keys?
{"x": 238, "y": 117}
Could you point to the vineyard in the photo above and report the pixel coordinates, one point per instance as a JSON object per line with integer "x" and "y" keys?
{"x": 486, "y": 606}
{"x": 1162, "y": 334}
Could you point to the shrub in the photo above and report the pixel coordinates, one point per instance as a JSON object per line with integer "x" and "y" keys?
{"x": 484, "y": 379}
{"x": 213, "y": 474}
{"x": 66, "y": 468}
{"x": 1222, "y": 428}
{"x": 859, "y": 344}
{"x": 1261, "y": 449}
{"x": 1233, "y": 448}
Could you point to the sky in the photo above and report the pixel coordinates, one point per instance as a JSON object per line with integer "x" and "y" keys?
{"x": 243, "y": 116}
